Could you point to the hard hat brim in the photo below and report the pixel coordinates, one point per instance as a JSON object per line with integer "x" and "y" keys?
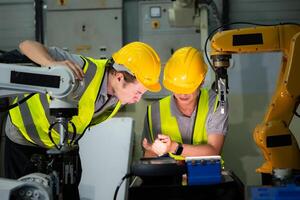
{"x": 153, "y": 88}
{"x": 178, "y": 90}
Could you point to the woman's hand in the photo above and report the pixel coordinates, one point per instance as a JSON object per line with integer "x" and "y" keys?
{"x": 162, "y": 145}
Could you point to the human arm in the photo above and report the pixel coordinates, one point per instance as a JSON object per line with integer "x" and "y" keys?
{"x": 147, "y": 140}
{"x": 216, "y": 128}
{"x": 38, "y": 53}
{"x": 164, "y": 145}
{"x": 213, "y": 147}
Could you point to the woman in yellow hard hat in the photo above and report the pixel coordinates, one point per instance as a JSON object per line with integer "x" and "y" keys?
{"x": 188, "y": 122}
{"x": 109, "y": 83}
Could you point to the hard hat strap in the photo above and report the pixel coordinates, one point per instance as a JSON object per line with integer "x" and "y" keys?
{"x": 122, "y": 68}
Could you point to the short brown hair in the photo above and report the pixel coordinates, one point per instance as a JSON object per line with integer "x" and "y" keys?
{"x": 127, "y": 77}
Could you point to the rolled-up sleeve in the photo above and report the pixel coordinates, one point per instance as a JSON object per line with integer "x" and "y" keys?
{"x": 61, "y": 55}
{"x": 217, "y": 122}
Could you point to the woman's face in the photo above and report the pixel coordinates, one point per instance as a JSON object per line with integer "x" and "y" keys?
{"x": 186, "y": 99}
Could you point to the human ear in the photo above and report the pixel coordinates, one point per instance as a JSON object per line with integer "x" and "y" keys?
{"x": 119, "y": 76}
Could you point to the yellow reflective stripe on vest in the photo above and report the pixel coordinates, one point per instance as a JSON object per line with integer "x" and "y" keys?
{"x": 18, "y": 121}
{"x": 169, "y": 124}
{"x": 36, "y": 108}
{"x": 149, "y": 112}
{"x": 116, "y": 109}
{"x": 199, "y": 133}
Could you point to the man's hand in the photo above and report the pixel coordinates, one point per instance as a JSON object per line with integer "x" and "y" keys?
{"x": 76, "y": 69}
{"x": 38, "y": 53}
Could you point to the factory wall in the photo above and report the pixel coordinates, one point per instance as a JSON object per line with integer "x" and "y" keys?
{"x": 252, "y": 78}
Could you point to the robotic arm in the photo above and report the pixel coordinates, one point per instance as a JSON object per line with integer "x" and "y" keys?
{"x": 58, "y": 81}
{"x": 272, "y": 136}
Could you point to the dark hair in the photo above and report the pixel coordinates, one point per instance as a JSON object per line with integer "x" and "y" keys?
{"x": 127, "y": 77}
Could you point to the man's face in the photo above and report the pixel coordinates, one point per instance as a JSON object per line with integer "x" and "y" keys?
{"x": 129, "y": 93}
{"x": 186, "y": 99}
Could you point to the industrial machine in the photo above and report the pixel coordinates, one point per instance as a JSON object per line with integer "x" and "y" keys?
{"x": 200, "y": 170}
{"x": 272, "y": 136}
{"x": 192, "y": 178}
{"x": 64, "y": 90}
{"x": 32, "y": 186}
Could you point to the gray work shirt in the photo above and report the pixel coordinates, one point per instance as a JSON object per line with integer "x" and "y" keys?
{"x": 216, "y": 123}
{"x": 103, "y": 102}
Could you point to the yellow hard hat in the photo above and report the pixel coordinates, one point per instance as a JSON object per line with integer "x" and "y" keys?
{"x": 142, "y": 61}
{"x": 184, "y": 71}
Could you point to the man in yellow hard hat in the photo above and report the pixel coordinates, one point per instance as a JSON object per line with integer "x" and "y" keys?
{"x": 189, "y": 122}
{"x": 109, "y": 83}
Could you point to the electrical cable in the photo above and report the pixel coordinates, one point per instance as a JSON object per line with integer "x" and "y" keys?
{"x": 88, "y": 126}
{"x": 236, "y": 179}
{"x": 80, "y": 136}
{"x": 208, "y": 4}
{"x": 16, "y": 104}
{"x": 119, "y": 185}
{"x": 50, "y": 132}
{"x": 215, "y": 12}
{"x": 58, "y": 122}
{"x": 74, "y": 132}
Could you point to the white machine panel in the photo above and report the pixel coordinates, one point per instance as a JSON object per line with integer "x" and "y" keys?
{"x": 105, "y": 152}
{"x": 91, "y": 32}
{"x": 83, "y": 4}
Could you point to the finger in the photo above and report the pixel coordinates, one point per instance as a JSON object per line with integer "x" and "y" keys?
{"x": 162, "y": 137}
{"x": 145, "y": 140}
{"x": 159, "y": 147}
{"x": 165, "y": 140}
{"x": 80, "y": 70}
{"x": 158, "y": 142}
{"x": 146, "y": 145}
{"x": 76, "y": 69}
{"x": 156, "y": 150}
{"x": 159, "y": 136}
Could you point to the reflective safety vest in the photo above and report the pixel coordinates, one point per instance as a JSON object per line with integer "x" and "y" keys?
{"x": 169, "y": 125}
{"x": 33, "y": 119}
